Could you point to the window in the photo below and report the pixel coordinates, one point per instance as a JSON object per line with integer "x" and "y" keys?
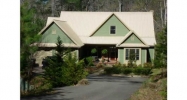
{"x": 112, "y": 29}
{"x": 53, "y": 31}
{"x": 132, "y": 54}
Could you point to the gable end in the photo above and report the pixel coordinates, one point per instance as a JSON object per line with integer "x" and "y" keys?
{"x": 105, "y": 28}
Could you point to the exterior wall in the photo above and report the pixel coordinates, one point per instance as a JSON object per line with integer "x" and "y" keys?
{"x": 121, "y": 56}
{"x": 104, "y": 30}
{"x": 132, "y": 39}
{"x": 40, "y": 55}
{"x": 151, "y": 53}
{"x": 138, "y": 61}
{"x": 143, "y": 56}
{"x": 49, "y": 37}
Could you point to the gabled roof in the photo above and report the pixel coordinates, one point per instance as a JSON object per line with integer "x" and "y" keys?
{"x": 54, "y": 45}
{"x": 67, "y": 30}
{"x": 106, "y": 21}
{"x": 131, "y": 44}
{"x": 86, "y": 23}
{"x": 101, "y": 40}
{"x": 50, "y": 19}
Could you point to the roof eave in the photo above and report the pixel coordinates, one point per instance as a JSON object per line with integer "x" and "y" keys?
{"x": 134, "y": 46}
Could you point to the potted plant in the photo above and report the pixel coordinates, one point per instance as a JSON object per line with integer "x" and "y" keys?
{"x": 104, "y": 52}
{"x": 94, "y": 50}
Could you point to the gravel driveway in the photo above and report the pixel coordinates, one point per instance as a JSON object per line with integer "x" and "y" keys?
{"x": 100, "y": 88}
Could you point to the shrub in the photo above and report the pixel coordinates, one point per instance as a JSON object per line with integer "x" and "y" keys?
{"x": 113, "y": 70}
{"x": 131, "y": 64}
{"x": 127, "y": 70}
{"x": 72, "y": 70}
{"x": 118, "y": 64}
{"x": 53, "y": 72}
{"x": 116, "y": 70}
{"x": 137, "y": 71}
{"x": 140, "y": 65}
{"x": 134, "y": 65}
{"x": 120, "y": 69}
{"x": 90, "y": 70}
{"x": 108, "y": 70}
{"x": 142, "y": 71}
{"x": 146, "y": 71}
{"x": 148, "y": 65}
{"x": 94, "y": 50}
{"x": 124, "y": 66}
{"x": 104, "y": 51}
{"x": 99, "y": 65}
{"x": 39, "y": 86}
{"x": 88, "y": 61}
{"x": 64, "y": 68}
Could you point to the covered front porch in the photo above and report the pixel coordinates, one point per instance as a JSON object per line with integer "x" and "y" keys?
{"x": 110, "y": 56}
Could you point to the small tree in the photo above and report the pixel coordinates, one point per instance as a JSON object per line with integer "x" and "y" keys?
{"x": 30, "y": 26}
{"x": 104, "y": 51}
{"x": 161, "y": 50}
{"x": 64, "y": 68}
{"x": 94, "y": 50}
{"x": 53, "y": 70}
{"x": 72, "y": 70}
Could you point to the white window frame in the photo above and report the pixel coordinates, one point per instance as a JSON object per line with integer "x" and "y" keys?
{"x": 140, "y": 55}
{"x": 135, "y": 53}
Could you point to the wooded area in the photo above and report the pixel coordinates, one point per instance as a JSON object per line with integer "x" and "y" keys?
{"x": 52, "y": 8}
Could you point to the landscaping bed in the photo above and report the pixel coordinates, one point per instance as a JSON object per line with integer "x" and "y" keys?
{"x": 126, "y": 70}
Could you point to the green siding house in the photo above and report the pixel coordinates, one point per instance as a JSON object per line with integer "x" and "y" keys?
{"x": 121, "y": 33}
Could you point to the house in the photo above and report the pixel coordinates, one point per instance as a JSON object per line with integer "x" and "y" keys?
{"x": 121, "y": 33}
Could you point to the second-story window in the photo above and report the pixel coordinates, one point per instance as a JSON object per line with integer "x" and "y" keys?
{"x": 112, "y": 29}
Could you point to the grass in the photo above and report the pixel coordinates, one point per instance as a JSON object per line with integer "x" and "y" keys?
{"x": 151, "y": 89}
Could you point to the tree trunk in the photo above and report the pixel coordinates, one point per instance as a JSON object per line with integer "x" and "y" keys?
{"x": 165, "y": 11}
{"x": 53, "y": 8}
{"x": 161, "y": 14}
{"x": 120, "y": 4}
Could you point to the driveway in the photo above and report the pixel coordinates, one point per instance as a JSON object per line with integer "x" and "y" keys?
{"x": 100, "y": 88}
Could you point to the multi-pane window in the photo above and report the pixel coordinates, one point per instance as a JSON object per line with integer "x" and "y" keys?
{"x": 132, "y": 54}
{"x": 112, "y": 29}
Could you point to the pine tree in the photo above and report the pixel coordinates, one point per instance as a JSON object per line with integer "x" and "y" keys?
{"x": 161, "y": 50}
{"x": 30, "y": 26}
{"x": 53, "y": 70}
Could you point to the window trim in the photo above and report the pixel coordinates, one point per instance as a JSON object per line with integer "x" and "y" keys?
{"x": 139, "y": 50}
{"x": 140, "y": 54}
{"x": 111, "y": 29}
